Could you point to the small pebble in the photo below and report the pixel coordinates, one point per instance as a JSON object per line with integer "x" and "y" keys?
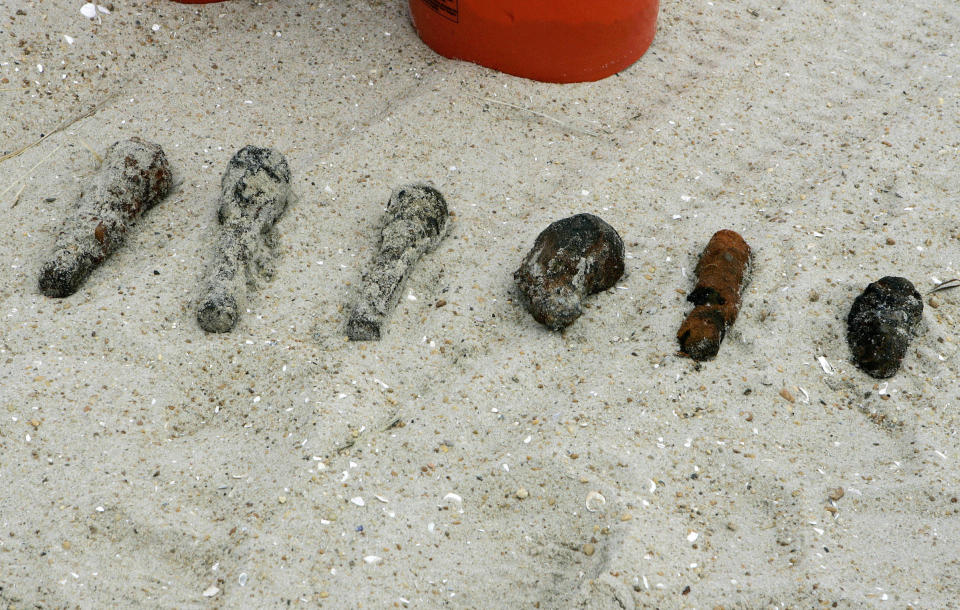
{"x": 588, "y": 549}
{"x": 522, "y": 494}
{"x": 785, "y": 393}
{"x": 836, "y": 494}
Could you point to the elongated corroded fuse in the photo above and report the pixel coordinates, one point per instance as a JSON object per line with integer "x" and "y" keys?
{"x": 721, "y": 276}
{"x": 134, "y": 176}
{"x": 254, "y": 192}
{"x": 415, "y": 222}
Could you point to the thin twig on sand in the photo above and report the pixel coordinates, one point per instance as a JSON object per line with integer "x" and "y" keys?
{"x": 60, "y": 128}
{"x": 16, "y": 198}
{"x": 542, "y": 115}
{"x": 947, "y": 285}
{"x": 27, "y": 173}
{"x": 392, "y": 420}
{"x": 92, "y": 152}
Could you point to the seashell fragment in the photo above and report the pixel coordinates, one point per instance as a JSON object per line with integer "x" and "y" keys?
{"x": 594, "y": 501}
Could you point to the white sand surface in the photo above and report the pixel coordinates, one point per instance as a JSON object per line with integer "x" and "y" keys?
{"x": 145, "y": 463}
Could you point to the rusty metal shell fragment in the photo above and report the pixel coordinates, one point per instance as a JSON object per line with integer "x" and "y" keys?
{"x": 571, "y": 259}
{"x": 133, "y": 177}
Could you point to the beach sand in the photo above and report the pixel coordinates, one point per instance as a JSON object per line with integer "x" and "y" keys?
{"x": 146, "y": 463}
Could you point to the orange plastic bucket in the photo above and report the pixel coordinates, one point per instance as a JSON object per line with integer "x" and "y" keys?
{"x": 561, "y": 41}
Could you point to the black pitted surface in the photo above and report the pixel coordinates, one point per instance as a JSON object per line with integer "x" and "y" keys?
{"x": 882, "y": 322}
{"x": 572, "y": 258}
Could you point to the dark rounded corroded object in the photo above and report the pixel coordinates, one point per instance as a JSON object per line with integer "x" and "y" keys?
{"x": 133, "y": 177}
{"x": 882, "y": 322}
{"x": 572, "y": 258}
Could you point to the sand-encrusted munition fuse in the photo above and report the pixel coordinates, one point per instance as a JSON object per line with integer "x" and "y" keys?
{"x": 881, "y": 323}
{"x": 254, "y": 192}
{"x": 721, "y": 276}
{"x": 572, "y": 258}
{"x": 134, "y": 176}
{"x": 415, "y": 222}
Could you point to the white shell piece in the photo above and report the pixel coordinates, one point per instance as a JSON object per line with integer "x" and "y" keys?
{"x": 594, "y": 501}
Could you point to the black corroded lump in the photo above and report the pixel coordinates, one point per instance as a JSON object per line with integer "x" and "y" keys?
{"x": 572, "y": 258}
{"x": 882, "y": 322}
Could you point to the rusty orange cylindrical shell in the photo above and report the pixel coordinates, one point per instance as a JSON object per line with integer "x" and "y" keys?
{"x": 721, "y": 273}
